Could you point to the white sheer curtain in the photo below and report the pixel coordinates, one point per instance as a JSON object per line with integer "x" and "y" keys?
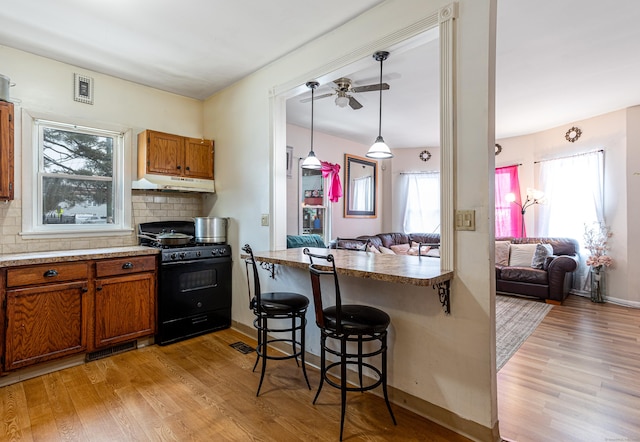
{"x": 574, "y": 196}
{"x": 362, "y": 194}
{"x": 422, "y": 211}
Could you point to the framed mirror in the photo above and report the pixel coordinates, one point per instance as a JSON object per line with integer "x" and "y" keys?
{"x": 361, "y": 182}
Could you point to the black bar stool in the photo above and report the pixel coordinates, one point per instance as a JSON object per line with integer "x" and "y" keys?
{"x": 347, "y": 323}
{"x": 276, "y": 306}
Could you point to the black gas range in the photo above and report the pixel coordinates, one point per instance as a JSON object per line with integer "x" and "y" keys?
{"x": 194, "y": 283}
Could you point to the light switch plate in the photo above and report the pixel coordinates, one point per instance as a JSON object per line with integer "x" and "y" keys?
{"x": 465, "y": 220}
{"x": 264, "y": 219}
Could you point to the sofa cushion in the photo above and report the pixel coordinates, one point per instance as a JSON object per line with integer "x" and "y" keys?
{"x": 400, "y": 249}
{"x": 523, "y": 274}
{"x": 521, "y": 255}
{"x": 386, "y": 251}
{"x": 373, "y": 249}
{"x": 389, "y": 239}
{"x": 502, "y": 252}
{"x": 540, "y": 255}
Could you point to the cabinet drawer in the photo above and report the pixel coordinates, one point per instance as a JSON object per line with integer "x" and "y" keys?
{"x": 125, "y": 266}
{"x": 47, "y": 273}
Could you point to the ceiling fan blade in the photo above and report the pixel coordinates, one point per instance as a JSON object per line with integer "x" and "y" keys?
{"x": 355, "y": 104}
{"x": 306, "y": 100}
{"x": 370, "y": 87}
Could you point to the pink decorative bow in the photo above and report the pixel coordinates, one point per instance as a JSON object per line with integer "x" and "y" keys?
{"x": 332, "y": 171}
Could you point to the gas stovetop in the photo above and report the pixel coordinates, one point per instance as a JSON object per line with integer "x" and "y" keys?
{"x": 183, "y": 252}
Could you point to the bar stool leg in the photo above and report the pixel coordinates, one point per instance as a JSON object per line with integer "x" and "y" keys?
{"x": 343, "y": 380}
{"x": 323, "y": 362}
{"x": 303, "y": 323}
{"x": 263, "y": 349}
{"x": 384, "y": 377}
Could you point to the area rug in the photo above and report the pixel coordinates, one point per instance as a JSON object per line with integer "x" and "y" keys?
{"x": 516, "y": 319}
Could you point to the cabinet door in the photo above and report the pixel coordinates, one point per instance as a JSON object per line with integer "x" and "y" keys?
{"x": 165, "y": 153}
{"x": 45, "y": 323}
{"x": 125, "y": 308}
{"x": 6, "y": 151}
{"x": 198, "y": 158}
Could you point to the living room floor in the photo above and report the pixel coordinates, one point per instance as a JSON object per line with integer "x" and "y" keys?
{"x": 576, "y": 378}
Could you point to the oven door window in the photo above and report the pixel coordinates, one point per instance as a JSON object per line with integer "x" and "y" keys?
{"x": 192, "y": 287}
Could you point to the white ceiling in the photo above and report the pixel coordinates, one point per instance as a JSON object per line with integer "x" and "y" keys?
{"x": 557, "y": 61}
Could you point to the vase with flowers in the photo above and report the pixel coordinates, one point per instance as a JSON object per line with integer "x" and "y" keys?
{"x": 596, "y": 238}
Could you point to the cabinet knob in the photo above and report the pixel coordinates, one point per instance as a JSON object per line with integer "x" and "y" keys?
{"x": 50, "y": 273}
{"x": 99, "y": 288}
{"x": 127, "y": 265}
{"x": 179, "y": 167}
{"x": 187, "y": 168}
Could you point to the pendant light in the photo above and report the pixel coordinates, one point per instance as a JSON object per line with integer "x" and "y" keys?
{"x": 380, "y": 150}
{"x": 312, "y": 162}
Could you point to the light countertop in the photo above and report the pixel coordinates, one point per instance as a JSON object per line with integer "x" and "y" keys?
{"x": 402, "y": 269}
{"x": 20, "y": 259}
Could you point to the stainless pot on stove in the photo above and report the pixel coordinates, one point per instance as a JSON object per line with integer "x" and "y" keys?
{"x": 211, "y": 230}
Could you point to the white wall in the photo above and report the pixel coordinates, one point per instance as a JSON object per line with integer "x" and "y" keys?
{"x": 460, "y": 373}
{"x": 607, "y": 132}
{"x": 46, "y": 87}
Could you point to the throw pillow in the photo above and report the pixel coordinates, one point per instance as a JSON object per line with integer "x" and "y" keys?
{"x": 521, "y": 255}
{"x": 435, "y": 253}
{"x": 502, "y": 253}
{"x": 386, "y": 251}
{"x": 372, "y": 249}
{"x": 540, "y": 255}
{"x": 400, "y": 249}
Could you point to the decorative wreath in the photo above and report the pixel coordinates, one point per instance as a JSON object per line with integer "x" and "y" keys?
{"x": 498, "y": 149}
{"x": 425, "y": 155}
{"x": 573, "y": 134}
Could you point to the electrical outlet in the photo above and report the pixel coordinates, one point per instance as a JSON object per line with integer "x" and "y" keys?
{"x": 264, "y": 219}
{"x": 465, "y": 220}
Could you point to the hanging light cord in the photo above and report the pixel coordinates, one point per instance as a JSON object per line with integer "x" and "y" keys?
{"x": 313, "y": 88}
{"x": 380, "y": 114}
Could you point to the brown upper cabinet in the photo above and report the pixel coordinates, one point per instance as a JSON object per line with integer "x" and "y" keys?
{"x": 166, "y": 154}
{"x": 6, "y": 151}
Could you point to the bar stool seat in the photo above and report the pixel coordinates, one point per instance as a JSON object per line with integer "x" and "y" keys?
{"x": 276, "y": 306}
{"x": 352, "y": 325}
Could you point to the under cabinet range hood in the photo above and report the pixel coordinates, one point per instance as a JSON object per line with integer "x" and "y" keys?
{"x": 173, "y": 183}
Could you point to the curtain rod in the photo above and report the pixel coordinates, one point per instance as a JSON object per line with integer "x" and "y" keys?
{"x": 509, "y": 165}
{"x": 420, "y": 173}
{"x": 569, "y": 156}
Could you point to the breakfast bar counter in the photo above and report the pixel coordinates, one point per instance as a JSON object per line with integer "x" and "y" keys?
{"x": 401, "y": 269}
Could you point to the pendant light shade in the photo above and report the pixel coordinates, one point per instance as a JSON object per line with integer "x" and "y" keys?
{"x": 312, "y": 162}
{"x": 379, "y": 149}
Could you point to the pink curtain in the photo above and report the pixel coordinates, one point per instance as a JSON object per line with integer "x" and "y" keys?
{"x": 332, "y": 171}
{"x": 509, "y": 221}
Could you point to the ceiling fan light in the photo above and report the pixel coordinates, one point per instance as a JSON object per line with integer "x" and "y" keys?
{"x": 379, "y": 150}
{"x": 342, "y": 101}
{"x": 311, "y": 162}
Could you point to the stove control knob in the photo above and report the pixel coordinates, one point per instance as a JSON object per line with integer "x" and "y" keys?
{"x": 173, "y": 256}
{"x": 182, "y": 255}
{"x": 198, "y": 253}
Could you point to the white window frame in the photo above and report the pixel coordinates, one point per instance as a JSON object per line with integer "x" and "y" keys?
{"x": 32, "y": 226}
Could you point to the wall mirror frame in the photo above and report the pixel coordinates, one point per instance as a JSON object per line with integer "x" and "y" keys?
{"x": 361, "y": 187}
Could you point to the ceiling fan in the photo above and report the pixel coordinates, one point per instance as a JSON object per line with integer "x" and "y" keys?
{"x": 344, "y": 90}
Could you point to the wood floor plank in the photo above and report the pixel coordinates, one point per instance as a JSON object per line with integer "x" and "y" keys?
{"x": 577, "y": 378}
{"x": 196, "y": 390}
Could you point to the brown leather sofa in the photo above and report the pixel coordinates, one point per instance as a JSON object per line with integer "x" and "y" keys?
{"x": 551, "y": 283}
{"x": 387, "y": 240}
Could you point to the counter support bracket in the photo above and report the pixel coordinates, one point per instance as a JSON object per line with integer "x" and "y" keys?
{"x": 269, "y": 267}
{"x": 444, "y": 295}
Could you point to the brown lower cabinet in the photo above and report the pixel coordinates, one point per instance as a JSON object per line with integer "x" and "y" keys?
{"x": 125, "y": 302}
{"x": 56, "y": 310}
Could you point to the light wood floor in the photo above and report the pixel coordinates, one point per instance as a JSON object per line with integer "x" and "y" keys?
{"x": 196, "y": 390}
{"x": 576, "y": 378}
